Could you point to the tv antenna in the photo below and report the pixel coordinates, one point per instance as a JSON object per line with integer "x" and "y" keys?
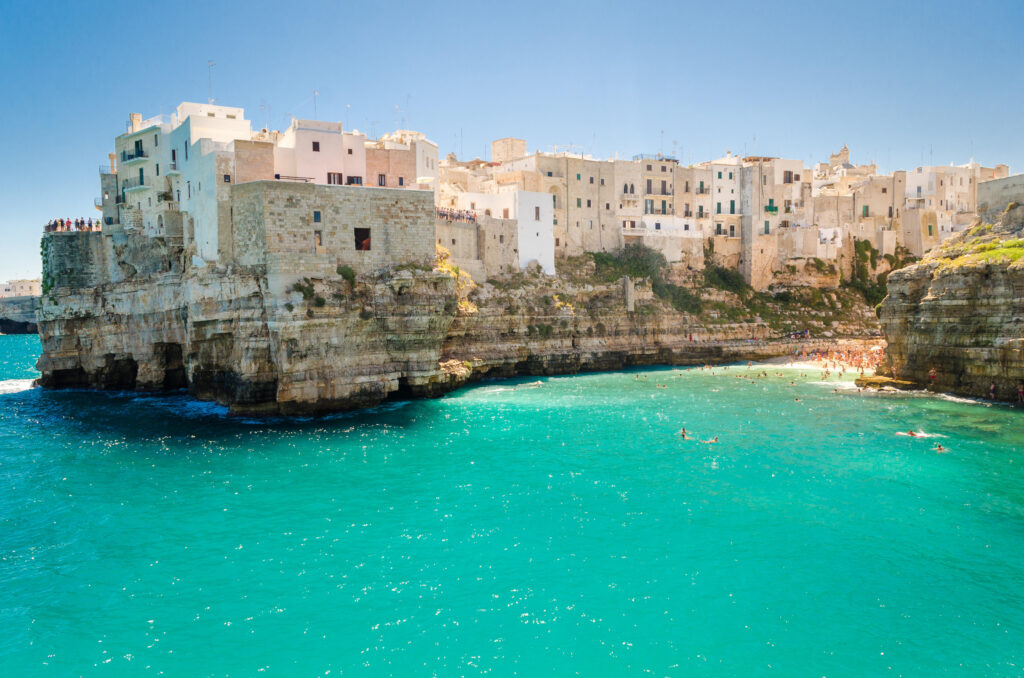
{"x": 209, "y": 81}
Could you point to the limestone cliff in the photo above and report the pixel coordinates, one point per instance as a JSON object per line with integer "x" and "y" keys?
{"x": 18, "y": 315}
{"x": 960, "y": 311}
{"x": 122, "y": 311}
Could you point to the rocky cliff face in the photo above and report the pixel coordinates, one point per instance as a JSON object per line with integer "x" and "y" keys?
{"x": 960, "y": 311}
{"x": 18, "y": 315}
{"x": 113, "y": 319}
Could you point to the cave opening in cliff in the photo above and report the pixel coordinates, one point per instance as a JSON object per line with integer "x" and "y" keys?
{"x": 174, "y": 367}
{"x": 118, "y": 374}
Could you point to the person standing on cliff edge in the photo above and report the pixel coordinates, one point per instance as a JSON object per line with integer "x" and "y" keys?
{"x": 992, "y": 390}
{"x": 931, "y": 377}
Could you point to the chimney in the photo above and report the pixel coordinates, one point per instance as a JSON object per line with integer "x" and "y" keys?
{"x": 136, "y": 121}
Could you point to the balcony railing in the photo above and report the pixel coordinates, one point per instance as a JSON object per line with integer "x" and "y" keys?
{"x": 98, "y": 202}
{"x": 703, "y": 190}
{"x": 771, "y": 209}
{"x": 133, "y": 184}
{"x": 172, "y": 168}
{"x": 105, "y": 169}
{"x": 136, "y": 155}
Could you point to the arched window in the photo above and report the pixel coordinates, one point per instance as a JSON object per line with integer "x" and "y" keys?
{"x": 625, "y": 188}
{"x": 631, "y": 189}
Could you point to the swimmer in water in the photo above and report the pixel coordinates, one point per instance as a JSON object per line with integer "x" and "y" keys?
{"x": 710, "y": 442}
{"x": 685, "y": 434}
{"x": 939, "y": 448}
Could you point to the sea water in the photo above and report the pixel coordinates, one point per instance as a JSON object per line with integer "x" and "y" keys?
{"x": 514, "y": 528}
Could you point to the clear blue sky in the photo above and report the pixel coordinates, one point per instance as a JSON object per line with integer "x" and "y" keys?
{"x": 899, "y": 82}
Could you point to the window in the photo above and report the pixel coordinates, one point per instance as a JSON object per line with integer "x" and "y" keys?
{"x": 316, "y": 216}
{"x": 227, "y": 178}
{"x": 158, "y": 169}
{"x": 657, "y": 225}
{"x": 501, "y": 239}
{"x": 186, "y": 151}
{"x": 577, "y": 176}
{"x": 504, "y": 213}
{"x": 316, "y": 146}
{"x": 631, "y": 189}
{"x": 732, "y": 207}
{"x": 579, "y": 202}
{"x": 549, "y": 174}
{"x": 662, "y": 168}
{"x": 174, "y": 157}
{"x": 588, "y": 203}
{"x": 929, "y": 229}
{"x": 663, "y": 207}
{"x": 718, "y": 208}
{"x": 787, "y": 177}
{"x": 719, "y": 175}
{"x": 382, "y": 180}
{"x": 156, "y": 140}
{"x": 362, "y": 236}
{"x": 591, "y": 179}
{"x": 649, "y": 190}
{"x": 401, "y": 181}
{"x": 648, "y": 168}
{"x": 556, "y": 242}
{"x": 767, "y": 228}
{"x": 890, "y": 211}
{"x": 664, "y": 190}
{"x": 602, "y": 182}
{"x": 607, "y": 205}
{"x": 732, "y": 230}
{"x": 730, "y": 175}
{"x": 864, "y": 211}
{"x": 718, "y": 229}
{"x": 536, "y": 213}
{"x": 884, "y": 190}
{"x": 350, "y": 151}
{"x": 796, "y": 177}
{"x": 625, "y": 188}
{"x": 354, "y": 181}
{"x": 334, "y": 178}
{"x": 686, "y": 227}
{"x": 318, "y": 240}
{"x": 211, "y": 115}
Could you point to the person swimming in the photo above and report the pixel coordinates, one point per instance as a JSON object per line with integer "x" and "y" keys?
{"x": 939, "y": 448}
{"x": 685, "y": 434}
{"x": 710, "y": 442}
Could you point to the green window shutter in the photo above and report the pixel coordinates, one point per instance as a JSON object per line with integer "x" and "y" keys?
{"x": 719, "y": 175}
{"x": 578, "y": 202}
{"x": 767, "y": 228}
{"x": 577, "y": 177}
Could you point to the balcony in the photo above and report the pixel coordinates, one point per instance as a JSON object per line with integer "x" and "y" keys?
{"x": 703, "y": 190}
{"x": 129, "y": 158}
{"x": 135, "y": 184}
{"x": 172, "y": 168}
{"x": 771, "y": 209}
{"x": 98, "y": 202}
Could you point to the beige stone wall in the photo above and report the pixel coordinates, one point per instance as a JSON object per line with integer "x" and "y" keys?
{"x": 490, "y": 246}
{"x": 280, "y": 217}
{"x": 509, "y": 148}
{"x": 394, "y": 164}
{"x": 254, "y": 161}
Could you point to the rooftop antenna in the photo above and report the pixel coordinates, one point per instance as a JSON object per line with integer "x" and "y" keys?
{"x": 209, "y": 81}
{"x": 348, "y": 110}
{"x": 316, "y": 93}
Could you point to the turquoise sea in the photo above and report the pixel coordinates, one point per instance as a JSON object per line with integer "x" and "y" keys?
{"x": 563, "y": 529}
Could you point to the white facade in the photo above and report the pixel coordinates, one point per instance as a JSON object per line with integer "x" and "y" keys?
{"x": 534, "y": 216}
{"x": 21, "y": 288}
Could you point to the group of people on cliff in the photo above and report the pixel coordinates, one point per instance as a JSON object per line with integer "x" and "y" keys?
{"x": 66, "y": 225}
{"x": 450, "y": 214}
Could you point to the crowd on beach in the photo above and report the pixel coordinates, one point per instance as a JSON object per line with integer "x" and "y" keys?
{"x": 66, "y": 225}
{"x": 450, "y": 214}
{"x": 841, "y": 359}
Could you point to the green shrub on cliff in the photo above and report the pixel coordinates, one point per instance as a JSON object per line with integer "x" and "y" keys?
{"x": 347, "y": 273}
{"x": 633, "y": 260}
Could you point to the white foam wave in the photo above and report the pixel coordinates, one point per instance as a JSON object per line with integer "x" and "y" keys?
{"x": 15, "y": 385}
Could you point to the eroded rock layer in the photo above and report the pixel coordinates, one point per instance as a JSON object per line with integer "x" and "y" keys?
{"x": 960, "y": 311}
{"x": 116, "y": 315}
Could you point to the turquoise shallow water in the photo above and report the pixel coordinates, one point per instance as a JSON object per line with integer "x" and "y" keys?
{"x": 539, "y": 531}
